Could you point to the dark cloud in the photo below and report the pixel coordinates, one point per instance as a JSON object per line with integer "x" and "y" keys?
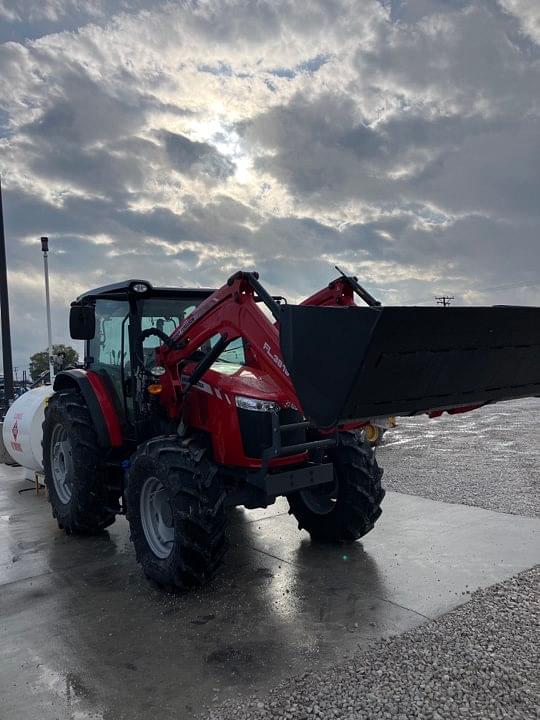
{"x": 199, "y": 158}
{"x": 472, "y": 59}
{"x": 76, "y": 107}
{"x": 323, "y": 151}
{"x": 495, "y": 172}
{"x": 317, "y": 145}
{"x": 85, "y": 113}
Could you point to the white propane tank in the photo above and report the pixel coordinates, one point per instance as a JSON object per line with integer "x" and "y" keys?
{"x": 22, "y": 428}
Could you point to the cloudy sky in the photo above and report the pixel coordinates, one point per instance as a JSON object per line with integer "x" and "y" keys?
{"x": 180, "y": 141}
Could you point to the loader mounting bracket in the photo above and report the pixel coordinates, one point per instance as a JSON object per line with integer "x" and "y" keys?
{"x": 273, "y": 483}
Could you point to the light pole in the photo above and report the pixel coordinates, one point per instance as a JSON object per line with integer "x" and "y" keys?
{"x": 4, "y": 304}
{"x": 45, "y": 250}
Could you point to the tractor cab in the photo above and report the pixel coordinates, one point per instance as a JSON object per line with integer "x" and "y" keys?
{"x": 113, "y": 319}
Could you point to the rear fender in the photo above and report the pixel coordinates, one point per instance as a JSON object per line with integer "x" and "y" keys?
{"x": 98, "y": 401}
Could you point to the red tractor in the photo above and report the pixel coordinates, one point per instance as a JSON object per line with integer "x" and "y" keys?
{"x": 194, "y": 400}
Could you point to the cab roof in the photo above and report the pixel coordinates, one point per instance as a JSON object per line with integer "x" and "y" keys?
{"x": 126, "y": 289}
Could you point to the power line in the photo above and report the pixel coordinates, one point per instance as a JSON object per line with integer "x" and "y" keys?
{"x": 444, "y": 300}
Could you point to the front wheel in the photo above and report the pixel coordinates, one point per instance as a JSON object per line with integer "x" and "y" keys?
{"x": 347, "y": 508}
{"x": 176, "y": 513}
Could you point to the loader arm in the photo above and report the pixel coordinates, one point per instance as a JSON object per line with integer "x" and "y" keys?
{"x": 341, "y": 292}
{"x": 230, "y": 312}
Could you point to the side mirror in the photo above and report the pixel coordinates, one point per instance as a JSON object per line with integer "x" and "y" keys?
{"x": 82, "y": 322}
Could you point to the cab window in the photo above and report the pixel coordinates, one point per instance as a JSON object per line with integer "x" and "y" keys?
{"x": 234, "y": 353}
{"x": 165, "y": 314}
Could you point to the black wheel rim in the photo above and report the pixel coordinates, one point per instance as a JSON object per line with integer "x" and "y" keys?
{"x": 321, "y": 499}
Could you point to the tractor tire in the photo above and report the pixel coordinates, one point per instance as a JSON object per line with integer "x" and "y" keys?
{"x": 176, "y": 513}
{"x": 347, "y": 509}
{"x": 83, "y": 492}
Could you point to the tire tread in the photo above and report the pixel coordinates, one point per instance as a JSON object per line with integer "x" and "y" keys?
{"x": 360, "y": 494}
{"x": 198, "y": 502}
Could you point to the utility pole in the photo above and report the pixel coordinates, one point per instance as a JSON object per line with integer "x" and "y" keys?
{"x": 444, "y": 300}
{"x": 45, "y": 250}
{"x": 4, "y": 306}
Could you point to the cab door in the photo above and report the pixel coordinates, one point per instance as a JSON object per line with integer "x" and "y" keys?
{"x": 109, "y": 352}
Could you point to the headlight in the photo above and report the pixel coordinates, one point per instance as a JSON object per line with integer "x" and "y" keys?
{"x": 248, "y": 403}
{"x": 157, "y": 371}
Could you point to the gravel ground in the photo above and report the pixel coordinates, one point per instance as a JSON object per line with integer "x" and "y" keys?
{"x": 488, "y": 457}
{"x": 479, "y": 661}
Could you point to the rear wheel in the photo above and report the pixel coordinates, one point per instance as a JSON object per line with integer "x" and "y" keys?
{"x": 84, "y": 494}
{"x": 176, "y": 513}
{"x": 347, "y": 508}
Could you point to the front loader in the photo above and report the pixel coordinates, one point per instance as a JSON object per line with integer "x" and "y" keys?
{"x": 195, "y": 400}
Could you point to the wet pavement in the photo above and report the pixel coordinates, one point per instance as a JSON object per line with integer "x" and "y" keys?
{"x": 82, "y": 635}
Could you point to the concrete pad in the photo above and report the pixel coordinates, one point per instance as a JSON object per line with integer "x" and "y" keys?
{"x": 82, "y": 635}
{"x": 428, "y": 554}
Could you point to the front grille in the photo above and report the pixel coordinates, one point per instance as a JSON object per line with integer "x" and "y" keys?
{"x": 256, "y": 430}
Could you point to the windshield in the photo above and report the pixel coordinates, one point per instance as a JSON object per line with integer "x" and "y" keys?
{"x": 167, "y": 314}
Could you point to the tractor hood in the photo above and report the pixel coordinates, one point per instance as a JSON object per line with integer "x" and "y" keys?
{"x": 353, "y": 363}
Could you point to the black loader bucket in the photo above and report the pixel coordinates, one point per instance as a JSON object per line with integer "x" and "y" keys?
{"x": 355, "y": 363}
